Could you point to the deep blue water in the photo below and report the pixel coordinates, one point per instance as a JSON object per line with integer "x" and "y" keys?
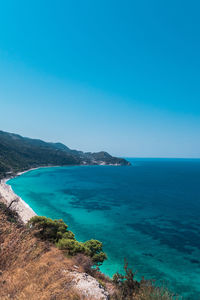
{"x": 148, "y": 213}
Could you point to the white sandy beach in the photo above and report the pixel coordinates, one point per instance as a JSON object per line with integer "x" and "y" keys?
{"x": 7, "y": 195}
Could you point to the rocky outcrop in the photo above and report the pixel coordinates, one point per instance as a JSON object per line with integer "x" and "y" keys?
{"x": 89, "y": 286}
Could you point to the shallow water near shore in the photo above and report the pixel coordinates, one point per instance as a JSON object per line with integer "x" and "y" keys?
{"x": 148, "y": 213}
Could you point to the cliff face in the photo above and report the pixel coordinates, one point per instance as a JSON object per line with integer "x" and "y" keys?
{"x": 32, "y": 269}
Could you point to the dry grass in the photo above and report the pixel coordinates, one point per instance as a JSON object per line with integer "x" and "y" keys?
{"x": 30, "y": 268}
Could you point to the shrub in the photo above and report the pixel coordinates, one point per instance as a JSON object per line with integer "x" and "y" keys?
{"x": 93, "y": 246}
{"x": 126, "y": 284}
{"x": 71, "y": 246}
{"x": 56, "y": 231}
{"x": 47, "y": 228}
{"x": 68, "y": 235}
{"x": 94, "y": 249}
{"x": 130, "y": 289}
{"x": 90, "y": 248}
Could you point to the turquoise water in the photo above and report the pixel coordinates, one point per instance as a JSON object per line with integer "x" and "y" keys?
{"x": 148, "y": 213}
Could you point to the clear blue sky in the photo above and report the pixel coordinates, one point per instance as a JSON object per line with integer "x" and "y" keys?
{"x": 122, "y": 76}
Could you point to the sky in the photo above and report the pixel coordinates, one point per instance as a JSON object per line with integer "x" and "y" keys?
{"x": 119, "y": 76}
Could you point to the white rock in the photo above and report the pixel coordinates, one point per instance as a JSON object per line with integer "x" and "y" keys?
{"x": 89, "y": 286}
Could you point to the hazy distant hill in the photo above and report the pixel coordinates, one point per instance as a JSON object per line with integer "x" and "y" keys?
{"x": 18, "y": 153}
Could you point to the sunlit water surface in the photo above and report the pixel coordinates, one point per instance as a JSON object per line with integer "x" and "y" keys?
{"x": 148, "y": 213}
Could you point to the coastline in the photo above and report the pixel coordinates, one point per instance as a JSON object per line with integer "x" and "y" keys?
{"x": 7, "y": 195}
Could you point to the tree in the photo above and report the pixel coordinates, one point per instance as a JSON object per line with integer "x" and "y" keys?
{"x": 56, "y": 231}
{"x": 48, "y": 229}
{"x": 94, "y": 249}
{"x": 71, "y": 246}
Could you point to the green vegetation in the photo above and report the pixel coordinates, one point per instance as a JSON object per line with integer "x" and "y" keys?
{"x": 87, "y": 255}
{"x": 94, "y": 249}
{"x": 48, "y": 229}
{"x": 56, "y": 231}
{"x": 18, "y": 154}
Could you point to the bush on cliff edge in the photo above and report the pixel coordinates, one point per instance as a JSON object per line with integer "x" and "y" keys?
{"x": 56, "y": 231}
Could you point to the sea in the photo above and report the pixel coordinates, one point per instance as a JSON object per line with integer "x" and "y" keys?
{"x": 147, "y": 213}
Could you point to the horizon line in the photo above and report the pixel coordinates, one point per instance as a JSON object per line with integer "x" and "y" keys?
{"x": 164, "y": 157}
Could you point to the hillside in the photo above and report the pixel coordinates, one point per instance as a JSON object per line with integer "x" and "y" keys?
{"x": 18, "y": 153}
{"x": 32, "y": 268}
